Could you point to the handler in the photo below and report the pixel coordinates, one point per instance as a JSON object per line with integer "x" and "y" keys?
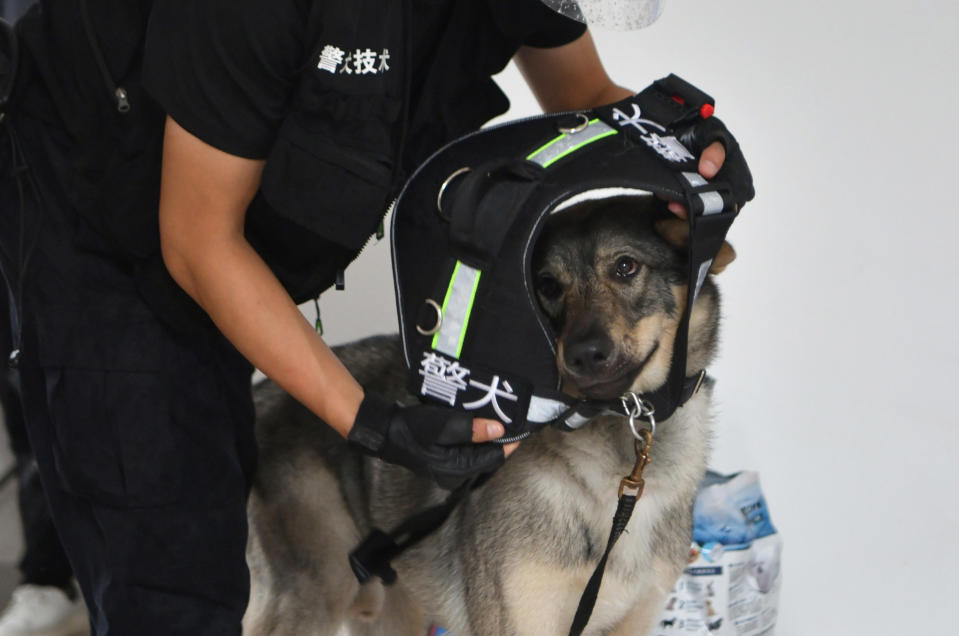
{"x": 287, "y": 127}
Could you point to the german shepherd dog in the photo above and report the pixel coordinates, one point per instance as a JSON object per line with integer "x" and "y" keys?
{"x": 516, "y": 554}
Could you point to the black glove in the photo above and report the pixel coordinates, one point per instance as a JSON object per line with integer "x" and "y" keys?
{"x": 429, "y": 440}
{"x": 697, "y": 137}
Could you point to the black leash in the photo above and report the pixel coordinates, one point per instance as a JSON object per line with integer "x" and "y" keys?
{"x": 630, "y": 490}
{"x": 372, "y": 557}
{"x": 587, "y": 601}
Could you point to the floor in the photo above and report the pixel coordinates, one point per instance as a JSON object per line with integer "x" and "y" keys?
{"x": 10, "y": 537}
{"x": 8, "y": 580}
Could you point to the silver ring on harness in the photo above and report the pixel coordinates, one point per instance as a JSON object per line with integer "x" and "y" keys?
{"x": 577, "y": 128}
{"x": 439, "y": 319}
{"x": 439, "y": 195}
{"x": 639, "y": 408}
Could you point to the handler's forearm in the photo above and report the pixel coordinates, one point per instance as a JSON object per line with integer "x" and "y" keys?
{"x": 249, "y": 305}
{"x": 203, "y": 200}
{"x": 568, "y": 77}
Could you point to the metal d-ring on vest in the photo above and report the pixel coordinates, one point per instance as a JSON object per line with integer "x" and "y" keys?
{"x": 446, "y": 183}
{"x": 584, "y": 122}
{"x": 439, "y": 319}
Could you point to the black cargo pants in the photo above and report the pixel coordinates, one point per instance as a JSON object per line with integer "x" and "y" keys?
{"x": 43, "y": 562}
{"x": 143, "y": 435}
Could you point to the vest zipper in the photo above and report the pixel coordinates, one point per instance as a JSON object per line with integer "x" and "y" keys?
{"x": 404, "y": 126}
{"x": 117, "y": 93}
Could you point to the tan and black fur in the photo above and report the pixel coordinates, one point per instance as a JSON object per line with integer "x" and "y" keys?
{"x": 515, "y": 556}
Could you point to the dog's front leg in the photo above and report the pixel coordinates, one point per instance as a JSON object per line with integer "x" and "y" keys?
{"x": 642, "y": 615}
{"x": 537, "y": 598}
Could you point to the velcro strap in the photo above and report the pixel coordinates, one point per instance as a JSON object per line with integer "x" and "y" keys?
{"x": 371, "y": 423}
{"x": 479, "y": 201}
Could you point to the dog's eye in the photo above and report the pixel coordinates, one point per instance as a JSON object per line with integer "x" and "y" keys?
{"x": 626, "y": 267}
{"x": 549, "y": 287}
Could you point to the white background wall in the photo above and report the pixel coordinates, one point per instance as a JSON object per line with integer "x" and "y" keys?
{"x": 838, "y": 364}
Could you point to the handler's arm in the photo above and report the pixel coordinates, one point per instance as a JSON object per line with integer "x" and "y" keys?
{"x": 203, "y": 200}
{"x": 568, "y": 77}
{"x": 572, "y": 77}
{"x": 204, "y": 196}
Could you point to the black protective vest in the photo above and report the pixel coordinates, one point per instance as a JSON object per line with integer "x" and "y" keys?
{"x": 464, "y": 231}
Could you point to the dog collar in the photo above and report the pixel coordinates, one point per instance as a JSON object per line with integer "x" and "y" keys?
{"x": 463, "y": 232}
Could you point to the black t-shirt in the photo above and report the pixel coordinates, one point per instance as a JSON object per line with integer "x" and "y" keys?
{"x": 340, "y": 106}
{"x": 226, "y": 70}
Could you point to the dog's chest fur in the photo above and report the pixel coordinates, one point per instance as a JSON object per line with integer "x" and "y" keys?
{"x": 528, "y": 541}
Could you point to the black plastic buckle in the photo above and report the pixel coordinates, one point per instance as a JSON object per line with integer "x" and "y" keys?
{"x": 372, "y": 558}
{"x": 9, "y": 56}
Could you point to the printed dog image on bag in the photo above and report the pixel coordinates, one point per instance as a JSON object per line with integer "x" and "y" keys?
{"x": 515, "y": 556}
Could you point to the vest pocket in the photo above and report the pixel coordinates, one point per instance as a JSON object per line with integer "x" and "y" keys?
{"x": 337, "y": 186}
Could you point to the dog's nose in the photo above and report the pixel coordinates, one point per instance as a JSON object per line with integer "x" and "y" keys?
{"x": 590, "y": 355}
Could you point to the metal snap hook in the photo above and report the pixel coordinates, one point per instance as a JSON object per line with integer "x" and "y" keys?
{"x": 439, "y": 195}
{"x": 439, "y": 319}
{"x": 584, "y": 122}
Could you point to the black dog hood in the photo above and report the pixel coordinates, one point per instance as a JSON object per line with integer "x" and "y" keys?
{"x": 464, "y": 229}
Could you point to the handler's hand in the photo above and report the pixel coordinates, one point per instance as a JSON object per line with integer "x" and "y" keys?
{"x": 710, "y": 162}
{"x": 719, "y": 157}
{"x": 445, "y": 445}
{"x": 485, "y": 430}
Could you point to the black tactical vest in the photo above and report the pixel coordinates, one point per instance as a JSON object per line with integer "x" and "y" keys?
{"x": 354, "y": 131}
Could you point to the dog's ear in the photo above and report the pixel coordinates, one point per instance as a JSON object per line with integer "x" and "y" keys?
{"x": 724, "y": 257}
{"x": 676, "y": 232}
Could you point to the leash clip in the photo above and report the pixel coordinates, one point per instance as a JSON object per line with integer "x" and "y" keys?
{"x": 632, "y": 485}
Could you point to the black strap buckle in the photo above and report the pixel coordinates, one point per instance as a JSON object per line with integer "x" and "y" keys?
{"x": 372, "y": 557}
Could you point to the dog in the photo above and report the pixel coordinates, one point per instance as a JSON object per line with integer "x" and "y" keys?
{"x": 516, "y": 554}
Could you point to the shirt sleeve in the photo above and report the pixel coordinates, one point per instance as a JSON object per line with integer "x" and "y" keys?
{"x": 532, "y": 23}
{"x": 225, "y": 70}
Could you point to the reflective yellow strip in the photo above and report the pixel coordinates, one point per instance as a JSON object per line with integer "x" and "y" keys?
{"x": 457, "y": 307}
{"x": 568, "y": 143}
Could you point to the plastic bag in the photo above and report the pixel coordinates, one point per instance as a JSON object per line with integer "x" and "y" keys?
{"x": 731, "y": 586}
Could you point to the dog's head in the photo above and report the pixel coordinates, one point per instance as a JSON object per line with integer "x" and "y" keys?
{"x": 610, "y": 275}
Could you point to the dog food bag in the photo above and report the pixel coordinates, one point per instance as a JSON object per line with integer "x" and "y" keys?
{"x": 731, "y": 586}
